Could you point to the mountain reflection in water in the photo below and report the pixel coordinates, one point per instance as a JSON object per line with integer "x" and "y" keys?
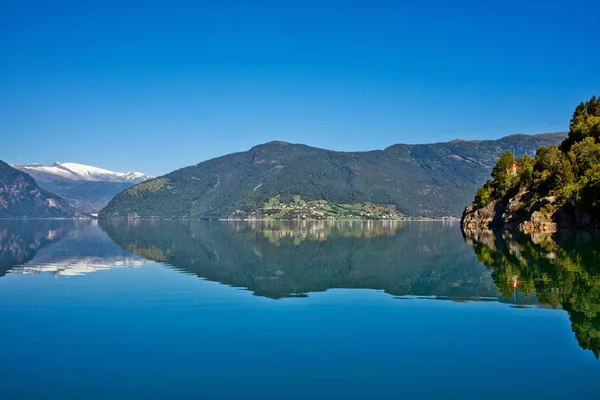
{"x": 283, "y": 259}
{"x": 293, "y": 259}
{"x": 20, "y": 240}
{"x": 59, "y": 247}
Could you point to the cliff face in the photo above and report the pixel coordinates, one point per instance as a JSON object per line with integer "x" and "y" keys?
{"x": 21, "y": 197}
{"x": 544, "y": 216}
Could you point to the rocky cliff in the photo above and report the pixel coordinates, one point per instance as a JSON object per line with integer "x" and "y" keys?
{"x": 557, "y": 189}
{"x": 21, "y": 197}
{"x": 546, "y": 215}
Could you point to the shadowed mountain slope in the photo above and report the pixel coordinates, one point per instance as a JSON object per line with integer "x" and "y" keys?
{"x": 20, "y": 197}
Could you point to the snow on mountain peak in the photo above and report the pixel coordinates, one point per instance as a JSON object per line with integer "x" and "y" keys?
{"x": 81, "y": 172}
{"x": 82, "y": 169}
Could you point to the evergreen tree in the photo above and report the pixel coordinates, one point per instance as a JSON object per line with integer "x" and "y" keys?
{"x": 570, "y": 171}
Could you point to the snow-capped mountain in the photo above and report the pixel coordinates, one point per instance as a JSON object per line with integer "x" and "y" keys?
{"x": 85, "y": 187}
{"x": 81, "y": 172}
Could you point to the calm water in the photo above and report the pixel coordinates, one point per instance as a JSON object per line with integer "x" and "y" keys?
{"x": 219, "y": 310}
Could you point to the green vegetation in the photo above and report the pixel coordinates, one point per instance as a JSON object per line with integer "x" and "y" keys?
{"x": 569, "y": 172}
{"x": 562, "y": 271}
{"x": 320, "y": 210}
{"x": 429, "y": 180}
{"x": 153, "y": 185}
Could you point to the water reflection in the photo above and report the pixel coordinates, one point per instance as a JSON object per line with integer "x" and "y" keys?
{"x": 59, "y": 247}
{"x": 279, "y": 259}
{"x": 280, "y": 231}
{"x": 562, "y": 271}
{"x": 20, "y": 240}
{"x": 283, "y": 259}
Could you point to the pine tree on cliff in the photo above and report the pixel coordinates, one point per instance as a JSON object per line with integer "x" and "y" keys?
{"x": 585, "y": 123}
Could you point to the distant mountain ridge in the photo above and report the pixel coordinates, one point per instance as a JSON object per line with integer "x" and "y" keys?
{"x": 431, "y": 180}
{"x": 85, "y": 187}
{"x": 21, "y": 197}
{"x": 81, "y": 172}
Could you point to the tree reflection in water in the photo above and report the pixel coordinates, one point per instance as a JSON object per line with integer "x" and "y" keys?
{"x": 561, "y": 270}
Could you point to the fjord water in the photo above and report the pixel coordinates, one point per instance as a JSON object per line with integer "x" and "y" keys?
{"x": 358, "y": 310}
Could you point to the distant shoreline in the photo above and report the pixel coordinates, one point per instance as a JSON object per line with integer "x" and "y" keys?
{"x": 240, "y": 220}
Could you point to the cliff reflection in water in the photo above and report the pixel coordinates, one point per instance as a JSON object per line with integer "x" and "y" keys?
{"x": 20, "y": 240}
{"x": 283, "y": 259}
{"x": 561, "y": 270}
{"x": 59, "y": 247}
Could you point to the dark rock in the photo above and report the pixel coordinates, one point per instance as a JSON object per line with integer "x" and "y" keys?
{"x": 488, "y": 216}
{"x": 545, "y": 216}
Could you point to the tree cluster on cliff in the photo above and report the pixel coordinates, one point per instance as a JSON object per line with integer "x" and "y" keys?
{"x": 570, "y": 171}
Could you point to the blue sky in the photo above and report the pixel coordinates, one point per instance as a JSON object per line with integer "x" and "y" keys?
{"x": 154, "y": 86}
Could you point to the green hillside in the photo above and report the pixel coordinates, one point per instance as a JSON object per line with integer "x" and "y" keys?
{"x": 429, "y": 180}
{"x": 561, "y": 183}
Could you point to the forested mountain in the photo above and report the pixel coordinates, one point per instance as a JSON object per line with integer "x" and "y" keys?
{"x": 559, "y": 187}
{"x": 430, "y": 180}
{"x": 20, "y": 196}
{"x": 85, "y": 187}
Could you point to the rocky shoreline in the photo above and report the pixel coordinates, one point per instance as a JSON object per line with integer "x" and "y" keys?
{"x": 546, "y": 215}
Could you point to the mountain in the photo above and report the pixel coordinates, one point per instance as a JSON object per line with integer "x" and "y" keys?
{"x": 558, "y": 188}
{"x": 85, "y": 187}
{"x": 430, "y": 180}
{"x": 80, "y": 172}
{"x": 20, "y": 196}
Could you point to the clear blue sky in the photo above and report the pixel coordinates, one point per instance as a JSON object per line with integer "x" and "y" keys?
{"x": 154, "y": 86}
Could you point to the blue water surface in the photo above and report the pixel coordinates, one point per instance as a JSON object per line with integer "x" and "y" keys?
{"x": 140, "y": 329}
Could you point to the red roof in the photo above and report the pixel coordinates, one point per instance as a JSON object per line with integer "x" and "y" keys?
{"x": 516, "y": 166}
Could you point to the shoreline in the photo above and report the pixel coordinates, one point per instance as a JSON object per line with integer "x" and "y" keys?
{"x": 233, "y": 220}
